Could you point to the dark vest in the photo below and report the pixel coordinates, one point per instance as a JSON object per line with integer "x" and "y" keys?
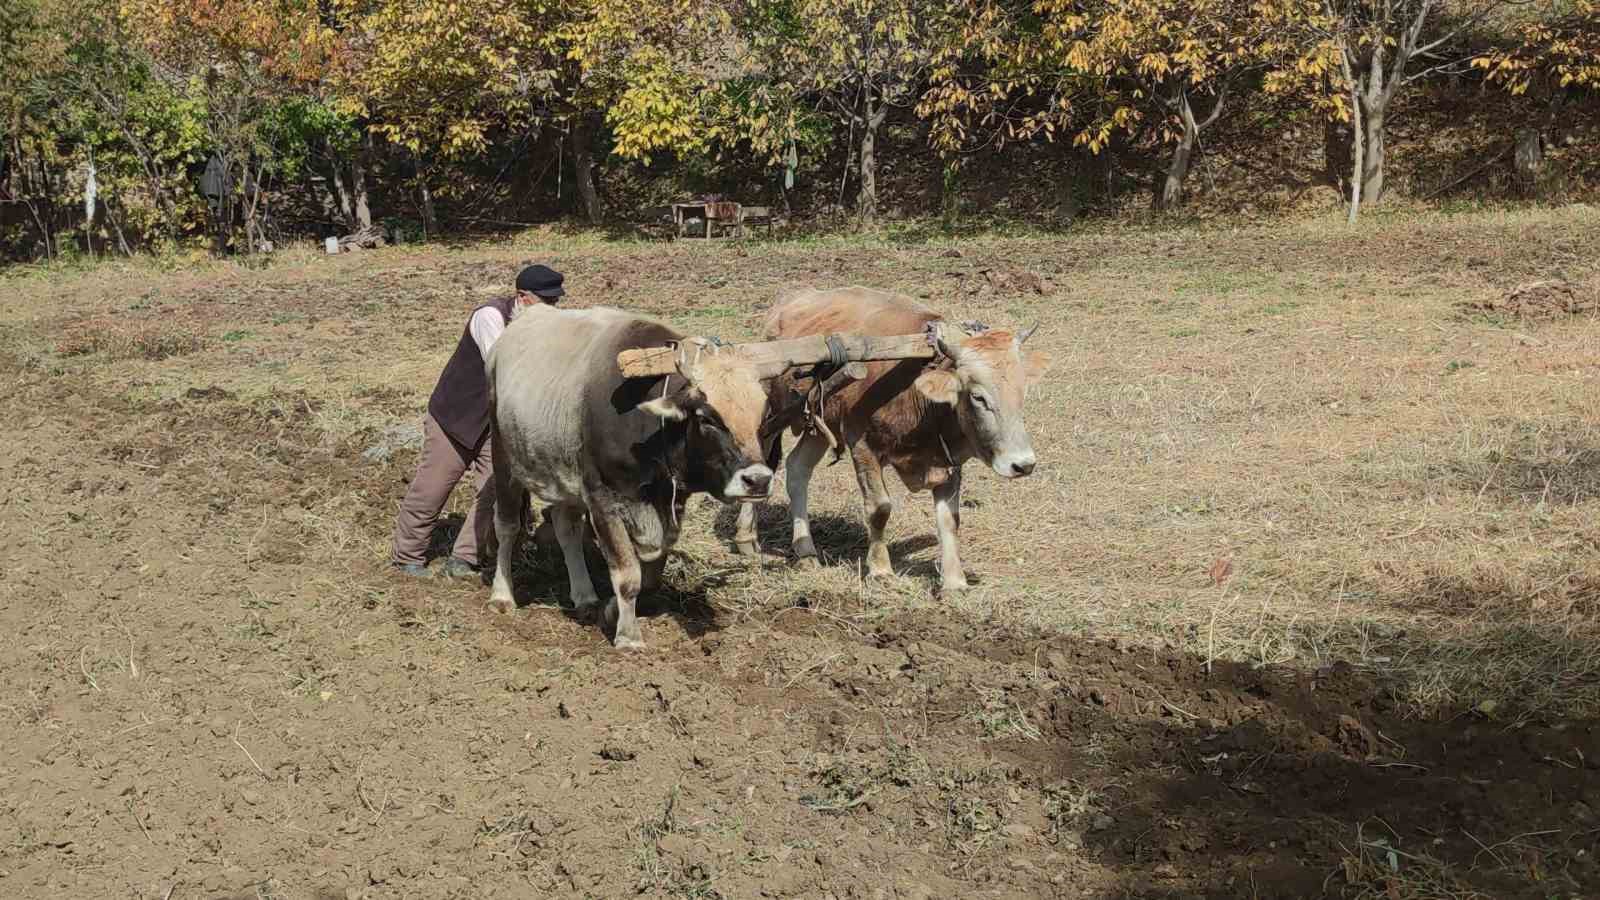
{"x": 460, "y": 401}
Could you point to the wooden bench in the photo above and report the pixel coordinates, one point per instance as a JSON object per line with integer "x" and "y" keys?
{"x": 755, "y": 216}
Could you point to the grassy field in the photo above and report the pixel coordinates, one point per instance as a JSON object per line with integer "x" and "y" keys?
{"x": 1310, "y": 559}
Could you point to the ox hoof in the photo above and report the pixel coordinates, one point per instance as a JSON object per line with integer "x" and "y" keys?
{"x": 628, "y": 642}
{"x": 747, "y": 549}
{"x": 501, "y": 604}
{"x": 953, "y": 587}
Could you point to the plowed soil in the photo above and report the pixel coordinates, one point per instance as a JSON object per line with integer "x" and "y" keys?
{"x": 212, "y": 685}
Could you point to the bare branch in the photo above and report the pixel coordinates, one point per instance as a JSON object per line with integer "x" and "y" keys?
{"x": 1463, "y": 26}
{"x": 1216, "y": 108}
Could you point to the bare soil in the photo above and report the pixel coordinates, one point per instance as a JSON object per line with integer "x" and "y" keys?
{"x": 212, "y": 685}
{"x": 1537, "y": 300}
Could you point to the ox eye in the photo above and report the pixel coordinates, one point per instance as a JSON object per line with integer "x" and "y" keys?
{"x": 983, "y": 401}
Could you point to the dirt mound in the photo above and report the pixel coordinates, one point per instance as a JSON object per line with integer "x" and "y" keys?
{"x": 1537, "y": 300}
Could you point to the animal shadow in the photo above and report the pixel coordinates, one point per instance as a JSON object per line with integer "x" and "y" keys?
{"x": 539, "y": 578}
{"x": 840, "y": 540}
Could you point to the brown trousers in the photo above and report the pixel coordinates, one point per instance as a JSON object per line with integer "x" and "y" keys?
{"x": 440, "y": 467}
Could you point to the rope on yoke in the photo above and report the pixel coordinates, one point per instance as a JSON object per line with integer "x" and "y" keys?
{"x": 837, "y": 356}
{"x": 816, "y": 396}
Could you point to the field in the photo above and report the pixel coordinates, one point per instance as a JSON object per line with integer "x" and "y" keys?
{"x": 1303, "y": 600}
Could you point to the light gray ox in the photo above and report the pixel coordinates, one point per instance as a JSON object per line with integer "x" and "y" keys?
{"x": 570, "y": 429}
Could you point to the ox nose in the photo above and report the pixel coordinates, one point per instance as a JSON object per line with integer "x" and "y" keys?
{"x": 1022, "y": 467}
{"x": 756, "y": 483}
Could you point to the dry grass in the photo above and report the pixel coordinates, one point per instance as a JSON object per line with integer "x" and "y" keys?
{"x": 1375, "y": 868}
{"x": 1394, "y": 486}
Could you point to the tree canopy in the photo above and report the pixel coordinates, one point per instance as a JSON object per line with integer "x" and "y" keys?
{"x": 336, "y": 115}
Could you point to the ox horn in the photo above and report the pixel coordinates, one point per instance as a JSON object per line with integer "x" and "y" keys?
{"x": 947, "y": 341}
{"x": 1023, "y": 337}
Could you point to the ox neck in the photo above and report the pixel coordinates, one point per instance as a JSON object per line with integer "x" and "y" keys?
{"x": 952, "y": 440}
{"x": 663, "y": 461}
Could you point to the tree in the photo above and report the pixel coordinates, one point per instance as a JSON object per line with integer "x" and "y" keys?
{"x": 242, "y": 62}
{"x": 438, "y": 82}
{"x": 1092, "y": 68}
{"x": 646, "y": 69}
{"x": 29, "y": 59}
{"x": 433, "y": 80}
{"x": 1384, "y": 46}
{"x": 858, "y": 58}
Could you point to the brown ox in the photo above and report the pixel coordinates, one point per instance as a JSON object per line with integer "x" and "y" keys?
{"x": 923, "y": 419}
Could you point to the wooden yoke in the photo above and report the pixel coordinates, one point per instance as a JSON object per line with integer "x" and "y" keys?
{"x": 770, "y": 358}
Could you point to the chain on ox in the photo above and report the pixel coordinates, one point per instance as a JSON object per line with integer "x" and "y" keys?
{"x": 922, "y": 419}
{"x": 571, "y": 430}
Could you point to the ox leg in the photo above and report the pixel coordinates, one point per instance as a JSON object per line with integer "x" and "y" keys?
{"x": 947, "y": 515}
{"x": 875, "y": 509}
{"x": 511, "y": 499}
{"x": 626, "y": 579}
{"x": 797, "y": 481}
{"x": 744, "y": 533}
{"x": 651, "y": 572}
{"x": 568, "y": 525}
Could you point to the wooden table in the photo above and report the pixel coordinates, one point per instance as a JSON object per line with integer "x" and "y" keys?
{"x": 681, "y": 214}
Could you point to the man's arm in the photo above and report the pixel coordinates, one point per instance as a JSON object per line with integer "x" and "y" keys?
{"x": 486, "y": 326}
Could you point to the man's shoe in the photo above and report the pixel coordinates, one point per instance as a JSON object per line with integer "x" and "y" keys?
{"x": 415, "y": 570}
{"x": 460, "y": 569}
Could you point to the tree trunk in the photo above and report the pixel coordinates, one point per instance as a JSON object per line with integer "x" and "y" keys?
{"x": 26, "y": 193}
{"x": 430, "y": 222}
{"x": 111, "y": 216}
{"x": 582, "y": 137}
{"x": 1372, "y": 170}
{"x": 358, "y": 184}
{"x": 255, "y": 234}
{"x": 1374, "y": 79}
{"x": 867, "y": 199}
{"x": 1358, "y": 142}
{"x": 1527, "y": 160}
{"x": 1170, "y": 194}
{"x": 50, "y": 245}
{"x": 343, "y": 205}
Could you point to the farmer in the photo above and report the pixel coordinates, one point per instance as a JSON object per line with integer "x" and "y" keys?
{"x": 455, "y": 437}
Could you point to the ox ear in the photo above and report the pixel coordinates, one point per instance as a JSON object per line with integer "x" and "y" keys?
{"x": 1034, "y": 365}
{"x": 676, "y": 406}
{"x": 664, "y": 407}
{"x": 939, "y": 386}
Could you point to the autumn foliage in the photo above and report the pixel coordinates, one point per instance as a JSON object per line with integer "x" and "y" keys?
{"x": 319, "y": 116}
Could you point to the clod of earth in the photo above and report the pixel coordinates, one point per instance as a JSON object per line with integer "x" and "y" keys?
{"x": 394, "y": 438}
{"x": 1536, "y": 300}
